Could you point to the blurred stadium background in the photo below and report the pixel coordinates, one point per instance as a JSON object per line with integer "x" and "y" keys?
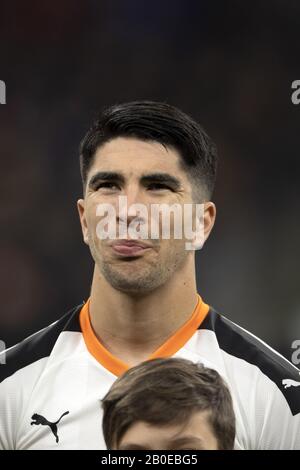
{"x": 230, "y": 65}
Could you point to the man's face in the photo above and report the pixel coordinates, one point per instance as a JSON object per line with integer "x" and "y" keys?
{"x": 196, "y": 434}
{"x": 146, "y": 173}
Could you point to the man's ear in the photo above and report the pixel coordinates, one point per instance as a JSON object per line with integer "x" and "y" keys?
{"x": 82, "y": 218}
{"x": 210, "y": 213}
{"x": 206, "y": 216}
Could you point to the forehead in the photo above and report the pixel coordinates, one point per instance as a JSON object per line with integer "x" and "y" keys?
{"x": 131, "y": 155}
{"x": 197, "y": 426}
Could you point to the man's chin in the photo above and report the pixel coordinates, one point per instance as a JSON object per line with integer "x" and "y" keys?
{"x": 130, "y": 284}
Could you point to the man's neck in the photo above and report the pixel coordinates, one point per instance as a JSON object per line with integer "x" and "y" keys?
{"x": 132, "y": 327}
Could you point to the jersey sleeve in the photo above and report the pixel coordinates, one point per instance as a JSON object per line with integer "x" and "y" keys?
{"x": 21, "y": 368}
{"x": 15, "y": 391}
{"x": 278, "y": 420}
{"x": 8, "y": 414}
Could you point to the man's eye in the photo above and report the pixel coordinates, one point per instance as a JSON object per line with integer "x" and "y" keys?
{"x": 158, "y": 186}
{"x": 106, "y": 184}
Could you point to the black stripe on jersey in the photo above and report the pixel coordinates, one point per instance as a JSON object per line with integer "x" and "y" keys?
{"x": 239, "y": 343}
{"x": 38, "y": 345}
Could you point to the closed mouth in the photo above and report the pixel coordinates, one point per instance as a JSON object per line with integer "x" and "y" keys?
{"x": 129, "y": 247}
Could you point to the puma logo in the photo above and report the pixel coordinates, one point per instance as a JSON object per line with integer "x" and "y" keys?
{"x": 290, "y": 383}
{"x": 39, "y": 419}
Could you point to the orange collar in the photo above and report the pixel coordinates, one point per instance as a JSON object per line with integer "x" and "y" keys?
{"x": 168, "y": 349}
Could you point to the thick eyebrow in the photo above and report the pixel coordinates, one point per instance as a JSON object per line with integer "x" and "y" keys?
{"x": 165, "y": 178}
{"x": 157, "y": 177}
{"x": 105, "y": 176}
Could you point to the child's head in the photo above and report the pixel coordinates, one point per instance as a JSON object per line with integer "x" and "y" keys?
{"x": 169, "y": 404}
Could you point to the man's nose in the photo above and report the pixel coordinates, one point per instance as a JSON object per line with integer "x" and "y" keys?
{"x": 135, "y": 194}
{"x": 131, "y": 203}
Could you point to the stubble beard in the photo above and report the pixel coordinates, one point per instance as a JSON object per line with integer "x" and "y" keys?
{"x": 136, "y": 276}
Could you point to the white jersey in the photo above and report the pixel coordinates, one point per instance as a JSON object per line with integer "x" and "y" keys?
{"x": 52, "y": 383}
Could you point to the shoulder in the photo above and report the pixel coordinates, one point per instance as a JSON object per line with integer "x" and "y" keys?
{"x": 37, "y": 346}
{"x": 240, "y": 344}
{"x": 21, "y": 366}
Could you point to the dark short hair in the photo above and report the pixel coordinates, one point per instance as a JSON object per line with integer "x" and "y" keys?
{"x": 168, "y": 391}
{"x": 160, "y": 122}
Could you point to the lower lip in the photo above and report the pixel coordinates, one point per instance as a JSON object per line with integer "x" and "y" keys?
{"x": 129, "y": 250}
